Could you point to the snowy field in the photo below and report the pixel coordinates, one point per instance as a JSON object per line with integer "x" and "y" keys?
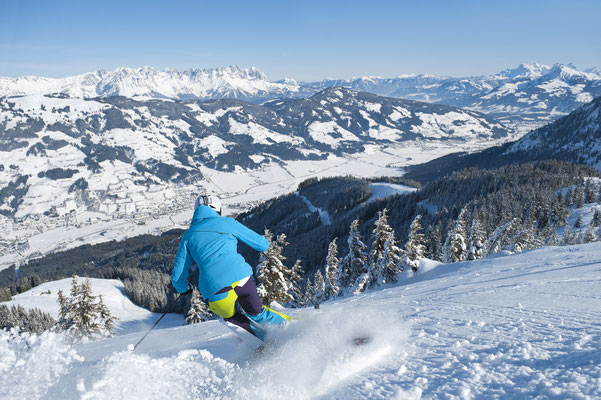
{"x": 240, "y": 191}
{"x": 519, "y": 326}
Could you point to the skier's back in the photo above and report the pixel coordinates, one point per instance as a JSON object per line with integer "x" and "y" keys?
{"x": 224, "y": 276}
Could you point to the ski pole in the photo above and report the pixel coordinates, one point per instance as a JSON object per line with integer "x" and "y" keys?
{"x": 159, "y": 320}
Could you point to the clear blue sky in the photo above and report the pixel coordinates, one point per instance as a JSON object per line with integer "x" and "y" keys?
{"x": 305, "y": 40}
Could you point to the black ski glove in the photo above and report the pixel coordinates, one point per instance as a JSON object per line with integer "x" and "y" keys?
{"x": 190, "y": 289}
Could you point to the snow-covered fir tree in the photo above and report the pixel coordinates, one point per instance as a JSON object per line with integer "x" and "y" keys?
{"x": 579, "y": 194}
{"x": 199, "y": 311}
{"x": 590, "y": 191}
{"x": 319, "y": 288}
{"x": 415, "y": 247}
{"x": 455, "y": 247}
{"x": 578, "y": 223}
{"x": 434, "y": 248}
{"x": 272, "y": 273}
{"x": 295, "y": 283}
{"x": 332, "y": 266}
{"x": 499, "y": 237}
{"x": 5, "y": 294}
{"x": 81, "y": 315}
{"x": 569, "y": 237}
{"x": 527, "y": 239}
{"x": 105, "y": 315}
{"x": 552, "y": 239}
{"x": 354, "y": 264}
{"x": 309, "y": 292}
{"x": 477, "y": 238}
{"x": 590, "y": 236}
{"x": 596, "y": 221}
{"x": 385, "y": 256}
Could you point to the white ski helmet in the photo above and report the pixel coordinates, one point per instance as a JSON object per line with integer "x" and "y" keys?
{"x": 209, "y": 200}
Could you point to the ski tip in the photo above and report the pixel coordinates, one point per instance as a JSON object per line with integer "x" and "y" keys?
{"x": 361, "y": 341}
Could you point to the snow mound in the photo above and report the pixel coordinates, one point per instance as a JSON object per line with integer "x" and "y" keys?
{"x": 191, "y": 374}
{"x": 30, "y": 363}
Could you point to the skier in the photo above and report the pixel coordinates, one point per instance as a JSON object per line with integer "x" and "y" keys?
{"x": 224, "y": 276}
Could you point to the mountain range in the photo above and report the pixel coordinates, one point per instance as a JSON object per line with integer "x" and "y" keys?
{"x": 524, "y": 97}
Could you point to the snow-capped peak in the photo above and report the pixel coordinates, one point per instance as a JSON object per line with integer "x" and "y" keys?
{"x": 525, "y": 71}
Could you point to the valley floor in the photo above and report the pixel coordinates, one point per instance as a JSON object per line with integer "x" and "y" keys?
{"x": 518, "y": 326}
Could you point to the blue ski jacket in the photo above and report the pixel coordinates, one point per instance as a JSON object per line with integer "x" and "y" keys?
{"x": 212, "y": 243}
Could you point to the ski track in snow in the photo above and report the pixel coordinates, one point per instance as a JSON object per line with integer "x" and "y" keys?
{"x": 519, "y": 326}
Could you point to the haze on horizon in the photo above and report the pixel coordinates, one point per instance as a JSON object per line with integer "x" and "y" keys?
{"x": 306, "y": 41}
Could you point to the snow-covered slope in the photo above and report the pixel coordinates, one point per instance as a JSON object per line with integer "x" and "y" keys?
{"x": 520, "y": 326}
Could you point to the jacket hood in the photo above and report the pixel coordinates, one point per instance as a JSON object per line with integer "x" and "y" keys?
{"x": 203, "y": 212}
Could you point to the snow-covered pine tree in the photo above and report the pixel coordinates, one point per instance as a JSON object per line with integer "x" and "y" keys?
{"x": 476, "y": 242}
{"x": 569, "y": 198}
{"x": 362, "y": 283}
{"x": 596, "y": 217}
{"x": 568, "y": 237}
{"x": 108, "y": 321}
{"x": 385, "y": 256}
{"x": 526, "y": 239}
{"x": 309, "y": 292}
{"x": 455, "y": 247}
{"x": 589, "y": 192}
{"x": 332, "y": 266}
{"x": 81, "y": 315}
{"x": 499, "y": 238}
{"x": 5, "y": 294}
{"x": 415, "y": 247}
{"x": 590, "y": 236}
{"x": 393, "y": 257}
{"x": 434, "y": 244}
{"x": 354, "y": 264}
{"x": 578, "y": 193}
{"x": 552, "y": 239}
{"x": 578, "y": 223}
{"x": 272, "y": 273}
{"x": 560, "y": 213}
{"x": 198, "y": 311}
{"x": 319, "y": 288}
{"x": 295, "y": 282}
